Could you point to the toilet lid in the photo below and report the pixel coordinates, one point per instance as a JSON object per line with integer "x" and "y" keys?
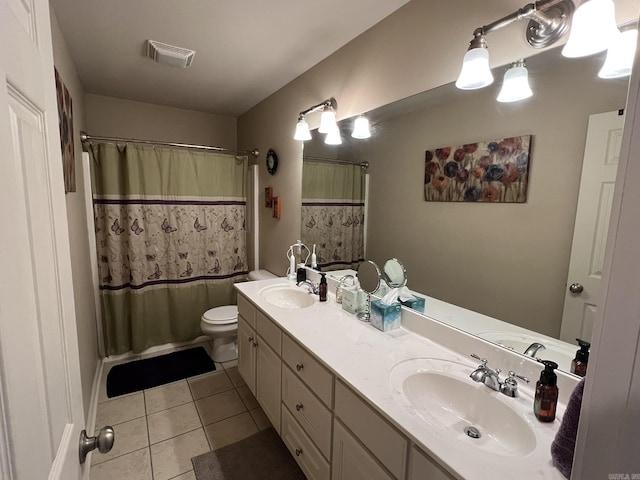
{"x": 221, "y": 315}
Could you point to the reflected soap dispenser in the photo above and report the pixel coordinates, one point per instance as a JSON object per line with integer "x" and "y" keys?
{"x": 579, "y": 364}
{"x": 546, "y": 399}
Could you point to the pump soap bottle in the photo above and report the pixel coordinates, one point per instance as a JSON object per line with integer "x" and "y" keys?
{"x": 323, "y": 288}
{"x": 579, "y": 364}
{"x": 546, "y": 400}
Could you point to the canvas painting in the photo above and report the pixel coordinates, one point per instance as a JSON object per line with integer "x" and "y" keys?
{"x": 65, "y": 120}
{"x": 491, "y": 171}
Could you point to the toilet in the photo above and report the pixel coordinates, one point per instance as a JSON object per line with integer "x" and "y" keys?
{"x": 221, "y": 324}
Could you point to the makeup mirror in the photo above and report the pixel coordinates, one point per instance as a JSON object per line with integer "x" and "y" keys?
{"x": 394, "y": 274}
{"x": 369, "y": 278}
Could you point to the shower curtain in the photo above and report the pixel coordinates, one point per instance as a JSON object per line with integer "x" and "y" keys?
{"x": 333, "y": 213}
{"x": 170, "y": 235}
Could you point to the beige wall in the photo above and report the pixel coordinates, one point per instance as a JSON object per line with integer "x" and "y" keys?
{"x": 115, "y": 117}
{"x": 417, "y": 48}
{"x": 77, "y": 222}
{"x": 508, "y": 261}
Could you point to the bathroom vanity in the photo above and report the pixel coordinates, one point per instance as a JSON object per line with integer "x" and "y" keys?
{"x": 352, "y": 402}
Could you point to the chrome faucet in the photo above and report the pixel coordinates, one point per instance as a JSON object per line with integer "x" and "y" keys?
{"x": 491, "y": 378}
{"x": 310, "y": 286}
{"x": 533, "y": 349}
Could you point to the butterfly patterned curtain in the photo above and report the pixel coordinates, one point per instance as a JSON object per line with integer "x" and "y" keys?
{"x": 333, "y": 213}
{"x": 170, "y": 236}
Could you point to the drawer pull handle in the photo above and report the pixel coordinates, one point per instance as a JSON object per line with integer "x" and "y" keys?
{"x": 250, "y": 339}
{"x": 299, "y": 366}
{"x": 298, "y": 452}
{"x": 299, "y": 406}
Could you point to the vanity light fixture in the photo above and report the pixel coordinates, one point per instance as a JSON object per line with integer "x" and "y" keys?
{"x": 515, "y": 86}
{"x": 328, "y": 122}
{"x": 620, "y": 55}
{"x": 333, "y": 137}
{"x": 548, "y": 21}
{"x": 593, "y": 29}
{"x": 475, "y": 71}
{"x": 361, "y": 128}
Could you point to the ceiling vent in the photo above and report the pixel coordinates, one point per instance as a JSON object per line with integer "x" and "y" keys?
{"x": 169, "y": 55}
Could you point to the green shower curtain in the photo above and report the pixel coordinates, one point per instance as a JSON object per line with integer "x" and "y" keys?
{"x": 170, "y": 236}
{"x": 333, "y": 213}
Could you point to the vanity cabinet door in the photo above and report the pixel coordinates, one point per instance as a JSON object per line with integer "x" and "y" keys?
{"x": 268, "y": 381}
{"x": 247, "y": 353}
{"x": 421, "y": 467}
{"x": 351, "y": 461}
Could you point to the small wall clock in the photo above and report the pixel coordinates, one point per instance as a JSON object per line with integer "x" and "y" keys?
{"x": 272, "y": 162}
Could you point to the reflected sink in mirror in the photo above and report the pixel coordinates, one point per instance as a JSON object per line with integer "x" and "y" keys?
{"x": 441, "y": 393}
{"x": 559, "y": 352}
{"x": 286, "y": 296}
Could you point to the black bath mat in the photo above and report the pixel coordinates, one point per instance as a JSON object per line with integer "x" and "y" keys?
{"x": 262, "y": 456}
{"x": 152, "y": 372}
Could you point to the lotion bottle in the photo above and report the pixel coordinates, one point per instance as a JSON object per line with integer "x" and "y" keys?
{"x": 323, "y": 288}
{"x": 546, "y": 399}
{"x": 579, "y": 364}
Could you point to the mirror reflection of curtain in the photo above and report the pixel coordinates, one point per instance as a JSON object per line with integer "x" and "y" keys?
{"x": 333, "y": 213}
{"x": 170, "y": 235}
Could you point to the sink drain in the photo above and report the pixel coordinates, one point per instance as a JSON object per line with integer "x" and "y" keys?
{"x": 472, "y": 432}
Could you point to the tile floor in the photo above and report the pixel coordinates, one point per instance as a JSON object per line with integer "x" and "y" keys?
{"x": 158, "y": 430}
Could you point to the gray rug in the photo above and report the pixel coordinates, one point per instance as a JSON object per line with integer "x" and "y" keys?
{"x": 262, "y": 456}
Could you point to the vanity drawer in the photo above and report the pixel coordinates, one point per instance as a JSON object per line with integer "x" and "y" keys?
{"x": 302, "y": 448}
{"x": 318, "y": 378}
{"x": 269, "y": 331}
{"x": 388, "y": 445}
{"x": 247, "y": 310}
{"x": 305, "y": 407}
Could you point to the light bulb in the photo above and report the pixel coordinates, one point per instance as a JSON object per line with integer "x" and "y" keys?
{"x": 593, "y": 29}
{"x": 333, "y": 137}
{"x": 302, "y": 131}
{"x": 620, "y": 55}
{"x": 515, "y": 86}
{"x": 475, "y": 71}
{"x": 327, "y": 121}
{"x": 361, "y": 128}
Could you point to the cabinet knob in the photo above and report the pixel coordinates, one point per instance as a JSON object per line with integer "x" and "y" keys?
{"x": 255, "y": 344}
{"x": 299, "y": 366}
{"x": 298, "y": 452}
{"x": 299, "y": 406}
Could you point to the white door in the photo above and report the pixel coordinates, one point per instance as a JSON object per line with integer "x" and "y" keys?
{"x": 41, "y": 412}
{"x": 602, "y": 149}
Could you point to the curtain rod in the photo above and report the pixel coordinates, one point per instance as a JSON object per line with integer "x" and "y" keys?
{"x": 85, "y": 138}
{"x": 363, "y": 165}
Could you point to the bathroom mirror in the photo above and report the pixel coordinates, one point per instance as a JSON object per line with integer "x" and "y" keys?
{"x": 508, "y": 262}
{"x": 394, "y": 273}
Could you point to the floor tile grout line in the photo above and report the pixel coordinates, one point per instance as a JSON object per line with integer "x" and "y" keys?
{"x": 120, "y": 456}
{"x": 179, "y": 434}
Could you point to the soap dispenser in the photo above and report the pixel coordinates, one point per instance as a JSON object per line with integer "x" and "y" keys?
{"x": 323, "y": 287}
{"x": 546, "y": 399}
{"x": 579, "y": 364}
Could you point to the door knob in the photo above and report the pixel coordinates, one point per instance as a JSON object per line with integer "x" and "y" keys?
{"x": 103, "y": 442}
{"x": 576, "y": 288}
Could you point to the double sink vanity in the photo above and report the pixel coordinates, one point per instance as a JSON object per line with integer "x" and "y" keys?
{"x": 352, "y": 402}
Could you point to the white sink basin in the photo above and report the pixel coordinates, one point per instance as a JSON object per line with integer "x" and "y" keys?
{"x": 286, "y": 296}
{"x": 441, "y": 393}
{"x": 559, "y": 352}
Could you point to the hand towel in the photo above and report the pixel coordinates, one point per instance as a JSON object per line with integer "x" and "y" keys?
{"x": 565, "y": 442}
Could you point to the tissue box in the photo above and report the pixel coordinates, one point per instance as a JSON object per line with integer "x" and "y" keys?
{"x": 352, "y": 299}
{"x": 416, "y": 304}
{"x": 385, "y": 317}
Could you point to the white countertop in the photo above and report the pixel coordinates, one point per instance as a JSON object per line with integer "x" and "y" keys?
{"x": 362, "y": 357}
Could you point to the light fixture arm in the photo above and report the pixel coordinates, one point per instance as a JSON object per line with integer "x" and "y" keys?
{"x": 548, "y": 21}
{"x": 328, "y": 104}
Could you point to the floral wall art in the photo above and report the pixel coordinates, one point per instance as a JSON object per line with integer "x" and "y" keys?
{"x": 65, "y": 120}
{"x": 489, "y": 171}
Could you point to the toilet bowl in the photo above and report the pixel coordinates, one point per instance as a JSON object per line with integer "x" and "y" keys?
{"x": 221, "y": 324}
